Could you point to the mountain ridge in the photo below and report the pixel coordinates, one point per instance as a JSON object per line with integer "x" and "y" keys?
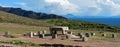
{"x": 30, "y": 14}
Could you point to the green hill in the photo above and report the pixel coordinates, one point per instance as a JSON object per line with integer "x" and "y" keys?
{"x": 11, "y": 18}
{"x": 75, "y": 25}
{"x": 18, "y": 24}
{"x": 83, "y": 25}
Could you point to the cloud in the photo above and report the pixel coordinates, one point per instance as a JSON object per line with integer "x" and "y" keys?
{"x": 21, "y": 3}
{"x": 75, "y": 7}
{"x": 78, "y": 7}
{"x": 5, "y": 5}
{"x": 92, "y": 11}
{"x": 113, "y": 7}
{"x": 64, "y": 6}
{"x": 83, "y": 7}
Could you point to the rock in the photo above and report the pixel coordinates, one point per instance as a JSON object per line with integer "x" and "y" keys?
{"x": 44, "y": 32}
{"x": 7, "y": 33}
{"x": 31, "y": 34}
{"x": 84, "y": 39}
{"x": 42, "y": 35}
{"x": 87, "y": 34}
{"x": 68, "y": 36}
{"x": 104, "y": 35}
{"x": 114, "y": 35}
{"x": 81, "y": 36}
{"x": 54, "y": 36}
{"x": 92, "y": 34}
{"x": 34, "y": 34}
{"x": 80, "y": 33}
{"x": 71, "y": 33}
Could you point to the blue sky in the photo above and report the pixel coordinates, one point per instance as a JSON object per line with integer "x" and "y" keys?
{"x": 92, "y": 8}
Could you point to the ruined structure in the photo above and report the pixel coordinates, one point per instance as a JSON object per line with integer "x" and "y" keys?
{"x": 54, "y": 29}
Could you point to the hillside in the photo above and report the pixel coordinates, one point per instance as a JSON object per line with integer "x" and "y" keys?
{"x": 83, "y": 25}
{"x": 30, "y": 14}
{"x": 76, "y": 25}
{"x": 11, "y": 18}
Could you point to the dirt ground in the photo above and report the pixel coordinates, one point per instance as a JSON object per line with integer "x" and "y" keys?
{"x": 72, "y": 41}
{"x": 8, "y": 45}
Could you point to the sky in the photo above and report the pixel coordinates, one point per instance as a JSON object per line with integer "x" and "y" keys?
{"x": 80, "y": 8}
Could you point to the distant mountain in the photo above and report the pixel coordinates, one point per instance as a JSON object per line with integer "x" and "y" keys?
{"x": 113, "y": 20}
{"x": 30, "y": 14}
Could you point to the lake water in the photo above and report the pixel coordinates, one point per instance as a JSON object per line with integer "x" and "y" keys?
{"x": 109, "y": 21}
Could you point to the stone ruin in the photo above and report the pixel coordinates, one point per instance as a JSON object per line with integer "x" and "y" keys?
{"x": 87, "y": 34}
{"x": 114, "y": 35}
{"x": 54, "y": 29}
{"x": 6, "y": 33}
{"x": 65, "y": 32}
{"x": 92, "y": 34}
{"x": 104, "y": 35}
{"x": 54, "y": 36}
{"x": 84, "y": 39}
{"x": 41, "y": 34}
{"x": 80, "y": 35}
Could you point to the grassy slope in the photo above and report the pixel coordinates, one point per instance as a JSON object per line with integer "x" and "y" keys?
{"x": 18, "y": 28}
{"x": 82, "y": 25}
{"x": 18, "y": 24}
{"x": 11, "y": 18}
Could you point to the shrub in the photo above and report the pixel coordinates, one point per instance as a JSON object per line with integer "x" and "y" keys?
{"x": 12, "y": 36}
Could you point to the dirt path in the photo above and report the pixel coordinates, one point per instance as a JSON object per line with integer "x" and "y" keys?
{"x": 49, "y": 40}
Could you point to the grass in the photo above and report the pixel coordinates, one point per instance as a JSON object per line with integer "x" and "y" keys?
{"x": 21, "y": 43}
{"x": 12, "y": 36}
{"x": 83, "y": 25}
{"x": 72, "y": 24}
{"x": 98, "y": 35}
{"x": 20, "y": 25}
{"x": 11, "y": 18}
{"x": 19, "y": 29}
{"x": 18, "y": 42}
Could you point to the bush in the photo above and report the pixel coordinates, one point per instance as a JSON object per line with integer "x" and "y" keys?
{"x": 12, "y": 36}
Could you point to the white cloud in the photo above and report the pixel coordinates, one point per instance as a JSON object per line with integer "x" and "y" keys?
{"x": 6, "y": 5}
{"x": 84, "y": 7}
{"x": 78, "y": 7}
{"x": 114, "y": 7}
{"x": 21, "y": 3}
{"x": 92, "y": 11}
{"x": 75, "y": 7}
{"x": 64, "y": 5}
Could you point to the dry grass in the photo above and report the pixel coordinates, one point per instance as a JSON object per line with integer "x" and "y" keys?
{"x": 21, "y": 29}
{"x": 17, "y": 28}
{"x": 98, "y": 35}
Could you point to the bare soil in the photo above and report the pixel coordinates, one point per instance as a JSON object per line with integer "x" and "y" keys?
{"x": 72, "y": 41}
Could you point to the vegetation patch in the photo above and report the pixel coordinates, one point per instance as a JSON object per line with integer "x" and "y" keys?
{"x": 83, "y": 25}
{"x": 12, "y": 36}
{"x": 18, "y": 42}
